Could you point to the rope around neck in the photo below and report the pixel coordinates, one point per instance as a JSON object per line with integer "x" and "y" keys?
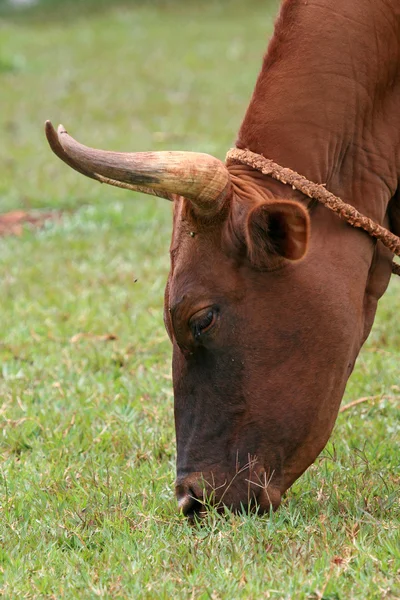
{"x": 320, "y": 193}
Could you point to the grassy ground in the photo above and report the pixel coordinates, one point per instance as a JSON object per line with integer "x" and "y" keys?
{"x": 87, "y": 441}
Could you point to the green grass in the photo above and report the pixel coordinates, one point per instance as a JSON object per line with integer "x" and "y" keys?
{"x": 86, "y": 422}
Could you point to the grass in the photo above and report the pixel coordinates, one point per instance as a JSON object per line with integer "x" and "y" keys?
{"x": 86, "y": 407}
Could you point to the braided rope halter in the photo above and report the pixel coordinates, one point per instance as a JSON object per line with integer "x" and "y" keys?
{"x": 318, "y": 192}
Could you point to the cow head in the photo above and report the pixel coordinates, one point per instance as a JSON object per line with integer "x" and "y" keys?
{"x": 260, "y": 354}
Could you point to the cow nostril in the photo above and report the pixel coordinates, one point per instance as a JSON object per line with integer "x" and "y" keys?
{"x": 190, "y": 505}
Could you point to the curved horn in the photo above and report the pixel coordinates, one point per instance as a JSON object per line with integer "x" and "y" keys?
{"x": 201, "y": 178}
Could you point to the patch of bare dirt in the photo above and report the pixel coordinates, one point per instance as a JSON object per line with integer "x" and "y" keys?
{"x": 12, "y": 223}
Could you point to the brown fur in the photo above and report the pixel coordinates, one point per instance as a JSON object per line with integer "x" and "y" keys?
{"x": 318, "y": 192}
{"x": 257, "y": 395}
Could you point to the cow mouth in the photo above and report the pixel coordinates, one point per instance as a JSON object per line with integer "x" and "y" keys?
{"x": 196, "y": 496}
{"x": 193, "y": 508}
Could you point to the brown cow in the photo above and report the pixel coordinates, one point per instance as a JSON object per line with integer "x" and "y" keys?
{"x": 270, "y": 297}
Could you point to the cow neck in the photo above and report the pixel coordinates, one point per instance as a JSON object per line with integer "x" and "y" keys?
{"x": 314, "y": 112}
{"x": 317, "y": 192}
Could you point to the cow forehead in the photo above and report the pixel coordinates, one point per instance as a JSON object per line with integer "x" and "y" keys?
{"x": 202, "y": 271}
{"x": 187, "y": 229}
{"x": 196, "y": 245}
{"x": 199, "y": 274}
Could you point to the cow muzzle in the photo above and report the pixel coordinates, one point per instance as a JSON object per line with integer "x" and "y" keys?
{"x": 246, "y": 491}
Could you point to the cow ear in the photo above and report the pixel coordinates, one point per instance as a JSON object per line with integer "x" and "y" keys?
{"x": 276, "y": 231}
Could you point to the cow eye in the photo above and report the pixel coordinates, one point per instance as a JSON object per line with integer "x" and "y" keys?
{"x": 202, "y": 321}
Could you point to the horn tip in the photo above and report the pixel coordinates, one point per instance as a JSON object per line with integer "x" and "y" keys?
{"x": 50, "y": 131}
{"x": 48, "y": 126}
{"x": 61, "y": 129}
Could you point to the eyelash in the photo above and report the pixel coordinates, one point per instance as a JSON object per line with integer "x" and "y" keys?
{"x": 202, "y": 323}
